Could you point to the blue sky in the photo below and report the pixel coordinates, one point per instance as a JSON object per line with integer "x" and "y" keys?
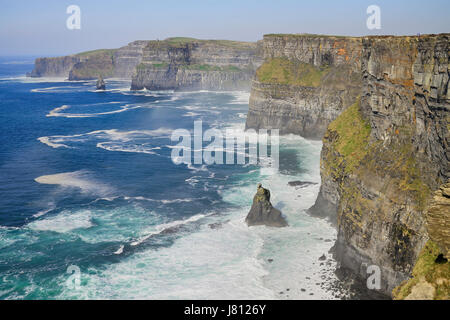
{"x": 39, "y": 27}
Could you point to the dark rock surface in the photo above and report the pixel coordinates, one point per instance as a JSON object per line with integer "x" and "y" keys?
{"x": 100, "y": 85}
{"x": 300, "y": 184}
{"x": 262, "y": 212}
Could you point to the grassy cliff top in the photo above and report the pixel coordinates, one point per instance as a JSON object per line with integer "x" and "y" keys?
{"x": 285, "y": 71}
{"x": 306, "y": 35}
{"x": 96, "y": 52}
{"x": 309, "y": 35}
{"x": 229, "y": 43}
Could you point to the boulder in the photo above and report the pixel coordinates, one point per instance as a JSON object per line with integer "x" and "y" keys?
{"x": 262, "y": 212}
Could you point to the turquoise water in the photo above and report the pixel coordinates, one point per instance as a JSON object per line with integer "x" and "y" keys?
{"x": 87, "y": 180}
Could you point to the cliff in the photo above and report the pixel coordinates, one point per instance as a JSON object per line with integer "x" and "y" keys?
{"x": 53, "y": 67}
{"x": 191, "y": 64}
{"x": 381, "y": 105}
{"x": 171, "y": 64}
{"x": 304, "y": 83}
{"x": 383, "y": 157}
{"x": 117, "y": 63}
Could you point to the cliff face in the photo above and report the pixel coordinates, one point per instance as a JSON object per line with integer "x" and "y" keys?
{"x": 171, "y": 64}
{"x": 190, "y": 64}
{"x": 304, "y": 83}
{"x": 53, "y": 67}
{"x": 383, "y": 157}
{"x": 118, "y": 63}
{"x": 127, "y": 58}
{"x": 381, "y": 105}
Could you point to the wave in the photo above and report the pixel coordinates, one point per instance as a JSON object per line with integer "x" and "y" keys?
{"x": 138, "y": 141}
{"x": 240, "y": 97}
{"x": 110, "y": 146}
{"x": 162, "y": 227}
{"x": 53, "y": 144}
{"x": 212, "y": 263}
{"x": 120, "y": 250}
{"x": 56, "y": 112}
{"x": 57, "y": 89}
{"x": 63, "y": 222}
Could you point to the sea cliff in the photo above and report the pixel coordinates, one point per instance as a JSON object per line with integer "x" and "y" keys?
{"x": 304, "y": 83}
{"x": 191, "y": 64}
{"x": 385, "y": 146}
{"x": 107, "y": 63}
{"x": 171, "y": 64}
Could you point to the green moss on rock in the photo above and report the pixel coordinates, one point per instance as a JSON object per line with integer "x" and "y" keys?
{"x": 430, "y": 279}
{"x": 353, "y": 133}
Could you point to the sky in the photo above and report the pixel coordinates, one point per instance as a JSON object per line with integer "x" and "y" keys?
{"x": 39, "y": 27}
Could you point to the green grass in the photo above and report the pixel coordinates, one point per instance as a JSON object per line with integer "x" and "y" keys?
{"x": 353, "y": 135}
{"x": 183, "y": 41}
{"x": 305, "y": 35}
{"x": 96, "y": 52}
{"x": 426, "y": 269}
{"x": 285, "y": 71}
{"x": 208, "y": 67}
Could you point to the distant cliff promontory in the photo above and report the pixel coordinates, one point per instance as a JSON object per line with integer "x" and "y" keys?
{"x": 171, "y": 64}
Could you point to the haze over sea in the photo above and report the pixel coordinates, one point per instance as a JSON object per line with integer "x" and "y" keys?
{"x": 87, "y": 180}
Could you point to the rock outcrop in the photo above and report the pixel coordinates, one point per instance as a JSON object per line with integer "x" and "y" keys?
{"x": 438, "y": 219}
{"x": 262, "y": 212}
{"x": 100, "y": 85}
{"x": 191, "y": 64}
{"x": 304, "y": 83}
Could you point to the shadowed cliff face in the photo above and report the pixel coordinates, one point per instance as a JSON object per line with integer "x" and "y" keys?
{"x": 190, "y": 64}
{"x": 304, "y": 83}
{"x": 383, "y": 157}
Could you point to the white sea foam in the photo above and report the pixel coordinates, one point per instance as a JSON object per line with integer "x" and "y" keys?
{"x": 42, "y": 212}
{"x": 57, "y": 112}
{"x": 120, "y": 250}
{"x": 220, "y": 263}
{"x": 138, "y": 141}
{"x": 57, "y": 89}
{"x": 53, "y": 143}
{"x": 77, "y": 179}
{"x": 63, "y": 222}
{"x": 159, "y": 228}
{"x": 111, "y": 146}
{"x": 241, "y": 97}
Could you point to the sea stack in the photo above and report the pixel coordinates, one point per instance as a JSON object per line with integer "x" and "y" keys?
{"x": 100, "y": 83}
{"x": 262, "y": 211}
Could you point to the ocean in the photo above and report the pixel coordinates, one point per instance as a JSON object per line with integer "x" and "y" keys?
{"x": 89, "y": 192}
